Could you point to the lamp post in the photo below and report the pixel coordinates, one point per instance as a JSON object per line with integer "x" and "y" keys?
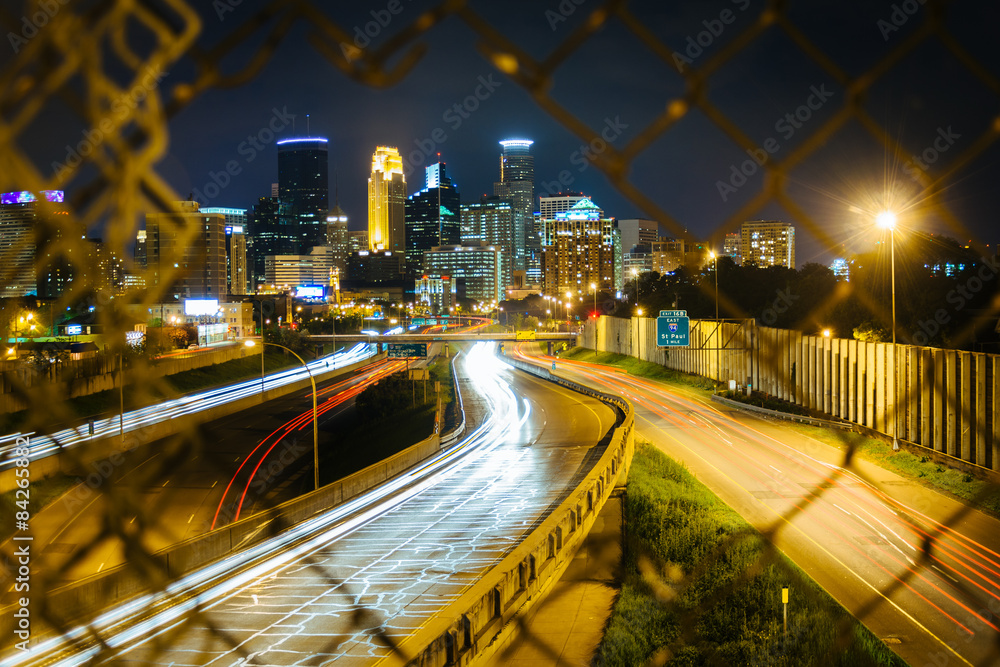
{"x": 312, "y": 381}
{"x": 718, "y": 358}
{"x": 887, "y": 220}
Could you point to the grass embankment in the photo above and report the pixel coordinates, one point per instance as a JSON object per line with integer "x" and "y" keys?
{"x": 640, "y": 368}
{"x": 107, "y": 402}
{"x": 980, "y": 493}
{"x": 388, "y": 417}
{"x": 771, "y": 403}
{"x": 702, "y": 586}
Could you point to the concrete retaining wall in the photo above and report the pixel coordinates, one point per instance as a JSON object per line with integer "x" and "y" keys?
{"x": 944, "y": 400}
{"x": 475, "y": 626}
{"x": 83, "y": 599}
{"x": 85, "y": 459}
{"x": 70, "y": 379}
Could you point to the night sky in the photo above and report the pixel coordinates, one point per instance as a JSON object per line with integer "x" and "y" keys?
{"x": 615, "y": 83}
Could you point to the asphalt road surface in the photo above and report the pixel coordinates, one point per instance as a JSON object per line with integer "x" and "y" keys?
{"x": 859, "y": 531}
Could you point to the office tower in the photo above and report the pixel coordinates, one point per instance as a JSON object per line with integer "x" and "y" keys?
{"x": 291, "y": 271}
{"x": 842, "y": 268}
{"x": 186, "y": 253}
{"x": 139, "y": 250}
{"x": 768, "y": 243}
{"x": 433, "y": 217}
{"x": 474, "y": 268}
{"x": 636, "y": 232}
{"x": 237, "y": 267}
{"x": 338, "y": 238}
{"x": 671, "y": 254}
{"x": 357, "y": 241}
{"x": 369, "y": 267}
{"x": 436, "y": 293}
{"x": 731, "y": 247}
{"x": 549, "y": 205}
{"x": 580, "y": 248}
{"x": 267, "y": 237}
{"x": 387, "y": 203}
{"x": 638, "y": 260}
{"x": 303, "y": 190}
{"x": 517, "y": 183}
{"x": 105, "y": 270}
{"x": 36, "y": 244}
{"x": 491, "y": 221}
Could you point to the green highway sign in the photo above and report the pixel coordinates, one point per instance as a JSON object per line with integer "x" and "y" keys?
{"x": 673, "y": 329}
{"x": 407, "y": 349}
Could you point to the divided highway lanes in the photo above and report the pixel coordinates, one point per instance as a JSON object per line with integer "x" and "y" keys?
{"x": 859, "y": 531}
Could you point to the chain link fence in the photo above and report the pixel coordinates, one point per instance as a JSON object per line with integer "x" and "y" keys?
{"x": 104, "y": 61}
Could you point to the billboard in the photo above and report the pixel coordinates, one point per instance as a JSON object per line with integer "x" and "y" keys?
{"x": 197, "y": 307}
{"x": 310, "y": 292}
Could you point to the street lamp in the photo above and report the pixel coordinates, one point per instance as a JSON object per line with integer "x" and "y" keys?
{"x": 312, "y": 381}
{"x": 718, "y": 358}
{"x": 593, "y": 288}
{"x": 887, "y": 220}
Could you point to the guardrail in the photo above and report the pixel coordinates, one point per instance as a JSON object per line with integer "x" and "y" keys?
{"x": 478, "y": 625}
{"x": 788, "y": 416}
{"x": 451, "y": 438}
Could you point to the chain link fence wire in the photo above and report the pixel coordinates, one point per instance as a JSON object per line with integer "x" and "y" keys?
{"x": 103, "y": 61}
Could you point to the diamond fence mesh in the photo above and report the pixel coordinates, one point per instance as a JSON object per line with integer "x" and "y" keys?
{"x": 105, "y": 60}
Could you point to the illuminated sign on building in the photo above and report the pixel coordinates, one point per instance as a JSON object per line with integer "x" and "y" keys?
{"x": 25, "y": 197}
{"x": 196, "y": 307}
{"x": 310, "y": 292}
{"x": 74, "y": 329}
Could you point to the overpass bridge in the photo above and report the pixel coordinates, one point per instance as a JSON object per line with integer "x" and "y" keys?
{"x": 444, "y": 337}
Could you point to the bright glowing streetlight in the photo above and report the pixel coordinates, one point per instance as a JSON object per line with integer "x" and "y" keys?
{"x": 312, "y": 381}
{"x": 827, "y": 333}
{"x": 886, "y": 220}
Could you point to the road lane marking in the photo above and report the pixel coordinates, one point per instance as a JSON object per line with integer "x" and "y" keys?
{"x": 191, "y": 518}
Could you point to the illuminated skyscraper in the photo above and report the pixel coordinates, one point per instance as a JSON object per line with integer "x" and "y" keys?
{"x": 338, "y": 238}
{"x": 517, "y": 183}
{"x": 186, "y": 253}
{"x": 34, "y": 257}
{"x": 387, "y": 202}
{"x": 237, "y": 268}
{"x": 581, "y": 247}
{"x": 304, "y": 190}
{"x": 433, "y": 217}
{"x": 491, "y": 221}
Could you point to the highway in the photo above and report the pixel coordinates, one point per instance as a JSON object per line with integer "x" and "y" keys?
{"x": 859, "y": 531}
{"x": 372, "y": 570}
{"x": 47, "y": 445}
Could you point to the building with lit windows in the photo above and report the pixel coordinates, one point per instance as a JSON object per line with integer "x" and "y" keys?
{"x": 387, "y": 203}
{"x": 290, "y": 271}
{"x": 580, "y": 248}
{"x": 29, "y": 231}
{"x": 105, "y": 270}
{"x": 517, "y": 183}
{"x": 436, "y": 293}
{"x": 267, "y": 236}
{"x": 186, "y": 253}
{"x": 671, "y": 254}
{"x": 638, "y": 232}
{"x": 549, "y": 205}
{"x": 433, "y": 217}
{"x": 474, "y": 268}
{"x": 490, "y": 221}
{"x": 338, "y": 238}
{"x": 357, "y": 241}
{"x": 731, "y": 247}
{"x": 842, "y": 268}
{"x": 768, "y": 243}
{"x": 304, "y": 191}
{"x": 237, "y": 265}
